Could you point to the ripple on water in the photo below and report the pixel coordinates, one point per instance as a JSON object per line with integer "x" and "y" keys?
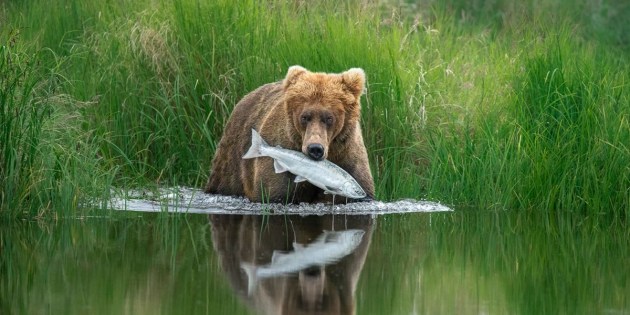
{"x": 189, "y": 200}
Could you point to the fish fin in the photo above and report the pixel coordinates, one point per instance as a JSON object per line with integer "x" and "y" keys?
{"x": 331, "y": 190}
{"x": 252, "y": 278}
{"x": 257, "y": 144}
{"x": 279, "y": 167}
{"x": 299, "y": 179}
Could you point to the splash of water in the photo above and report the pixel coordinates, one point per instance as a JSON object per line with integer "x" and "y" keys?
{"x": 190, "y": 200}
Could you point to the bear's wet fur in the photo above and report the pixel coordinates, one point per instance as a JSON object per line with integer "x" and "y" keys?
{"x": 316, "y": 113}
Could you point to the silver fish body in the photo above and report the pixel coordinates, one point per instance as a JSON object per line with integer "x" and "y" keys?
{"x": 328, "y": 248}
{"x": 323, "y": 174}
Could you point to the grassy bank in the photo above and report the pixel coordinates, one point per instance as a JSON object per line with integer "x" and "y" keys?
{"x": 490, "y": 105}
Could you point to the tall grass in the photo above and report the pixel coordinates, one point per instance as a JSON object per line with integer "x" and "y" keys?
{"x": 486, "y": 104}
{"x": 559, "y": 144}
{"x": 47, "y": 163}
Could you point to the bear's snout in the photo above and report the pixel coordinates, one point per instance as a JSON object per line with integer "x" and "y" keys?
{"x": 315, "y": 151}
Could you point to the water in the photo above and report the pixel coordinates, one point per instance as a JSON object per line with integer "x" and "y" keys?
{"x": 189, "y": 200}
{"x": 446, "y": 262}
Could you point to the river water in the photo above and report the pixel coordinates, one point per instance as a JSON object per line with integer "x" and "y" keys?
{"x": 414, "y": 257}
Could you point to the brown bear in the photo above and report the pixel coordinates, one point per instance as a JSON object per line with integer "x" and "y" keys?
{"x": 316, "y": 113}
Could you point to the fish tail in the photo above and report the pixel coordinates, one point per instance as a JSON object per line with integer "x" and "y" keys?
{"x": 257, "y": 144}
{"x": 252, "y": 278}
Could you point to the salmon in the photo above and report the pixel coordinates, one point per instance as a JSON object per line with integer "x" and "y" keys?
{"x": 324, "y": 174}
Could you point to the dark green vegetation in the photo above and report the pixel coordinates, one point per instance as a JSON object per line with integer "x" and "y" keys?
{"x": 466, "y": 262}
{"x": 492, "y": 105}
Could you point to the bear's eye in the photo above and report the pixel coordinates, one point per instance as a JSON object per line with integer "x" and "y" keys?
{"x": 328, "y": 120}
{"x": 304, "y": 119}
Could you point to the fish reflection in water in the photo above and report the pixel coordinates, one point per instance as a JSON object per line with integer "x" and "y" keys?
{"x": 286, "y": 277}
{"x": 328, "y": 248}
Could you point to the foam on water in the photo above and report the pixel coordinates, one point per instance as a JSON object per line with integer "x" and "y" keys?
{"x": 189, "y": 200}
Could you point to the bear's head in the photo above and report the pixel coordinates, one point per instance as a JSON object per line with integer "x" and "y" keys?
{"x": 322, "y": 107}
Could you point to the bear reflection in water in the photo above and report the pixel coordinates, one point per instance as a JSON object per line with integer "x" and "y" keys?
{"x": 317, "y": 289}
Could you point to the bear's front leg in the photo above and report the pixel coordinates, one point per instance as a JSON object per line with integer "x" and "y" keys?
{"x": 269, "y": 186}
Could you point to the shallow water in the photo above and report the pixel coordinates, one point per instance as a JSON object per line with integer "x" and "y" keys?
{"x": 189, "y": 200}
{"x": 457, "y": 262}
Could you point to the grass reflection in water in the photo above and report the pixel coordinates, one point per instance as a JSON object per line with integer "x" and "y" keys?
{"x": 464, "y": 262}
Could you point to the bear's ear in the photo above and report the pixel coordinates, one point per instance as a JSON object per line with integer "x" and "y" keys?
{"x": 292, "y": 75}
{"x": 354, "y": 81}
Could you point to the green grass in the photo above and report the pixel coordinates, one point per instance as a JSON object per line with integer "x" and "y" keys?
{"x": 47, "y": 162}
{"x": 558, "y": 144}
{"x": 485, "y": 104}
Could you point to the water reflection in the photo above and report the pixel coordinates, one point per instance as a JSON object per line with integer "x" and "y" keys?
{"x": 463, "y": 262}
{"x": 320, "y": 288}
